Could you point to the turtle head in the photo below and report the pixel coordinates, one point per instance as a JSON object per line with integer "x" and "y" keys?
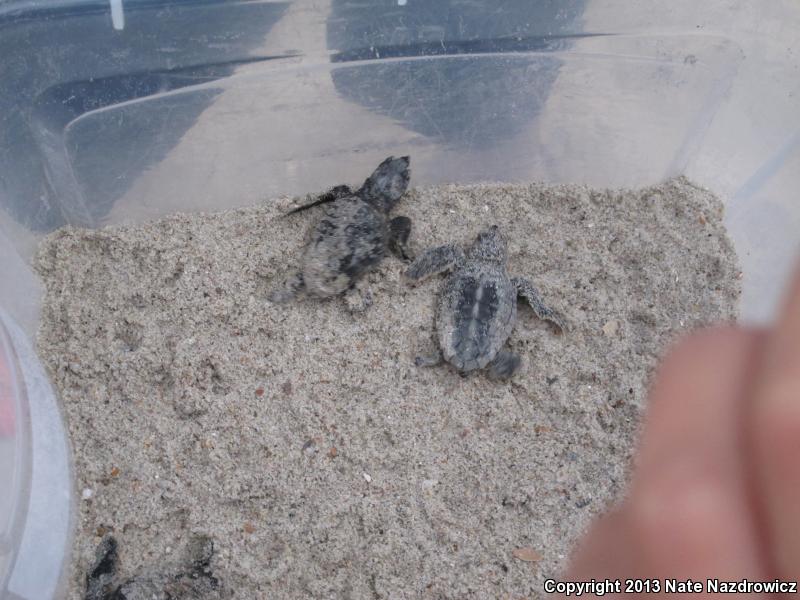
{"x": 387, "y": 183}
{"x": 489, "y": 245}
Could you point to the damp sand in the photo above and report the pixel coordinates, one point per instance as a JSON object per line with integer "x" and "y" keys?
{"x": 302, "y": 440}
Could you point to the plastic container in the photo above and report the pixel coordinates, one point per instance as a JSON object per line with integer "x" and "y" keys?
{"x": 115, "y": 112}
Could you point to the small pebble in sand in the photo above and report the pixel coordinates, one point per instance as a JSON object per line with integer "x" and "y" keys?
{"x": 527, "y": 555}
{"x": 611, "y": 327}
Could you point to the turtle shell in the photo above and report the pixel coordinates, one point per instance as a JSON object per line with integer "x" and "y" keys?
{"x": 348, "y": 241}
{"x": 477, "y": 309}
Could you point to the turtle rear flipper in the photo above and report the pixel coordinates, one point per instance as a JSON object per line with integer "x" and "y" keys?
{"x": 526, "y": 290}
{"x": 504, "y": 365}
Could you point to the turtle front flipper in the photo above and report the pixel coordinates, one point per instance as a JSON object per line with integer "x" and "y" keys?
{"x": 526, "y": 290}
{"x": 504, "y": 365}
{"x": 435, "y": 260}
{"x": 332, "y": 195}
{"x": 399, "y": 232}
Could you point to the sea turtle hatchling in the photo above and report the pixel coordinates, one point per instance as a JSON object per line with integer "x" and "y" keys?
{"x": 478, "y": 305}
{"x": 353, "y": 235}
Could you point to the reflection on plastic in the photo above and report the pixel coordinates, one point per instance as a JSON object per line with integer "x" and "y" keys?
{"x": 7, "y": 410}
{"x": 117, "y": 15}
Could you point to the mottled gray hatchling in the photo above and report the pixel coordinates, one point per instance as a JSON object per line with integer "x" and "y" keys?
{"x": 187, "y": 577}
{"x": 353, "y": 235}
{"x": 478, "y": 305}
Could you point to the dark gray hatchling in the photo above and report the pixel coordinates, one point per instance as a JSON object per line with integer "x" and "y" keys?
{"x": 186, "y": 577}
{"x": 354, "y": 234}
{"x": 478, "y": 305}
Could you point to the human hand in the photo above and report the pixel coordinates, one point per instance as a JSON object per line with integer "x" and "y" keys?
{"x": 715, "y": 491}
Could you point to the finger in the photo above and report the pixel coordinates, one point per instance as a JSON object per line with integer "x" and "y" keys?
{"x": 594, "y": 557}
{"x": 689, "y": 506}
{"x": 775, "y": 436}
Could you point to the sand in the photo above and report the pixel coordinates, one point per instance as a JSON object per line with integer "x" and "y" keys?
{"x": 301, "y": 440}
